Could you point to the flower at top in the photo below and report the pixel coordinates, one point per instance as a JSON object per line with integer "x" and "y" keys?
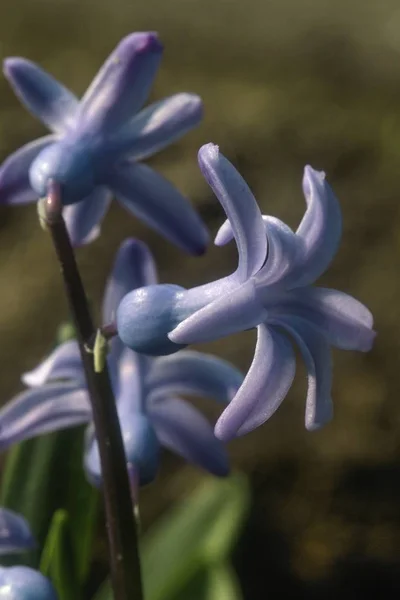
{"x": 20, "y": 583}
{"x": 95, "y": 145}
{"x": 147, "y": 391}
{"x": 271, "y": 290}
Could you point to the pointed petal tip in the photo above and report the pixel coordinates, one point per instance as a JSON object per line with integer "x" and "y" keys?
{"x": 310, "y": 176}
{"x": 11, "y": 63}
{"x": 140, "y": 42}
{"x": 222, "y": 433}
{"x": 208, "y": 153}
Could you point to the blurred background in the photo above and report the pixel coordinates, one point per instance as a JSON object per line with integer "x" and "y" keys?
{"x": 285, "y": 83}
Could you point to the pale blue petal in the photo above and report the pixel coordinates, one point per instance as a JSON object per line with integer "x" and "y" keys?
{"x": 23, "y": 583}
{"x": 132, "y": 369}
{"x": 153, "y": 199}
{"x": 343, "y": 320}
{"x": 264, "y": 388}
{"x": 317, "y": 357}
{"x": 240, "y": 207}
{"x": 185, "y": 431}
{"x": 83, "y": 218}
{"x": 122, "y": 85}
{"x": 63, "y": 363}
{"x": 284, "y": 248}
{"x": 190, "y": 372}
{"x": 159, "y": 125}
{"x": 41, "y": 94}
{"x": 142, "y": 450}
{"x": 233, "y": 312}
{"x": 320, "y": 229}
{"x": 15, "y": 533}
{"x": 15, "y": 187}
{"x": 40, "y": 410}
{"x": 133, "y": 268}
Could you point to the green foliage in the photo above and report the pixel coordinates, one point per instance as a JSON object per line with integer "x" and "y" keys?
{"x": 186, "y": 554}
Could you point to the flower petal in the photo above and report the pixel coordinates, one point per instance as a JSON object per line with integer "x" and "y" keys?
{"x": 43, "y": 409}
{"x": 41, "y": 94}
{"x": 317, "y": 357}
{"x": 134, "y": 267}
{"x": 24, "y": 583}
{"x": 83, "y": 218}
{"x": 240, "y": 207}
{"x": 122, "y": 85}
{"x": 234, "y": 311}
{"x": 158, "y": 203}
{"x": 159, "y": 125}
{"x": 63, "y": 363}
{"x": 15, "y": 187}
{"x": 190, "y": 372}
{"x": 264, "y": 388}
{"x": 343, "y": 320}
{"x": 132, "y": 369}
{"x": 320, "y": 229}
{"x": 142, "y": 450}
{"x": 185, "y": 431}
{"x": 15, "y": 533}
{"x": 284, "y": 248}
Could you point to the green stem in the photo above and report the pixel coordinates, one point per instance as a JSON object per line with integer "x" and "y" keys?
{"x": 121, "y": 527}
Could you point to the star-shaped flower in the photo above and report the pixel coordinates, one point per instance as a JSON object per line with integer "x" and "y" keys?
{"x": 95, "y": 145}
{"x": 271, "y": 290}
{"x": 147, "y": 391}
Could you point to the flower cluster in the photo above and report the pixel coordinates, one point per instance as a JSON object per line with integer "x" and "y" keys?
{"x": 147, "y": 391}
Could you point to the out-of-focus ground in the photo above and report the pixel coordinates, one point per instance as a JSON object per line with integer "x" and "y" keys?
{"x": 285, "y": 83}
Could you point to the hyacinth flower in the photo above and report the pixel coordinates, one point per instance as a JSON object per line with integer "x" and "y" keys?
{"x": 20, "y": 583}
{"x": 271, "y": 290}
{"x": 95, "y": 145}
{"x": 147, "y": 391}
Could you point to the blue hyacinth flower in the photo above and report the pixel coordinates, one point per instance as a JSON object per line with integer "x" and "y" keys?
{"x": 147, "y": 391}
{"x": 271, "y": 290}
{"x": 96, "y": 143}
{"x": 23, "y": 583}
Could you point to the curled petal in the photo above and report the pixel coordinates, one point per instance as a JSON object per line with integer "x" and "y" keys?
{"x": 185, "y": 431}
{"x": 284, "y": 247}
{"x": 122, "y": 85}
{"x": 320, "y": 229}
{"x": 264, "y": 388}
{"x": 83, "y": 218}
{"x": 158, "y": 203}
{"x": 23, "y": 583}
{"x": 15, "y": 534}
{"x": 343, "y": 320}
{"x": 316, "y": 354}
{"x": 41, "y": 94}
{"x": 159, "y": 125}
{"x": 134, "y": 267}
{"x": 233, "y": 312}
{"x": 15, "y": 187}
{"x": 40, "y": 410}
{"x": 63, "y": 363}
{"x": 190, "y": 372}
{"x": 240, "y": 207}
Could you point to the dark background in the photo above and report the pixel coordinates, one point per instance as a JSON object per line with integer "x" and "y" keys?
{"x": 285, "y": 83}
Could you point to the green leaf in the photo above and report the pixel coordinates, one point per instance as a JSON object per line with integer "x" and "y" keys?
{"x": 58, "y": 562}
{"x": 197, "y": 534}
{"x": 218, "y": 582}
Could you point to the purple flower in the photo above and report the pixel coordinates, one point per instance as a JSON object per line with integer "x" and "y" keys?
{"x": 23, "y": 583}
{"x": 95, "y": 145}
{"x": 15, "y": 534}
{"x": 147, "y": 391}
{"x": 271, "y": 289}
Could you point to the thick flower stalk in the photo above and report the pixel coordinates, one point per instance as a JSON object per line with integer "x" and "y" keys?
{"x": 20, "y": 583}
{"x": 272, "y": 289}
{"x": 150, "y": 411}
{"x": 96, "y": 143}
